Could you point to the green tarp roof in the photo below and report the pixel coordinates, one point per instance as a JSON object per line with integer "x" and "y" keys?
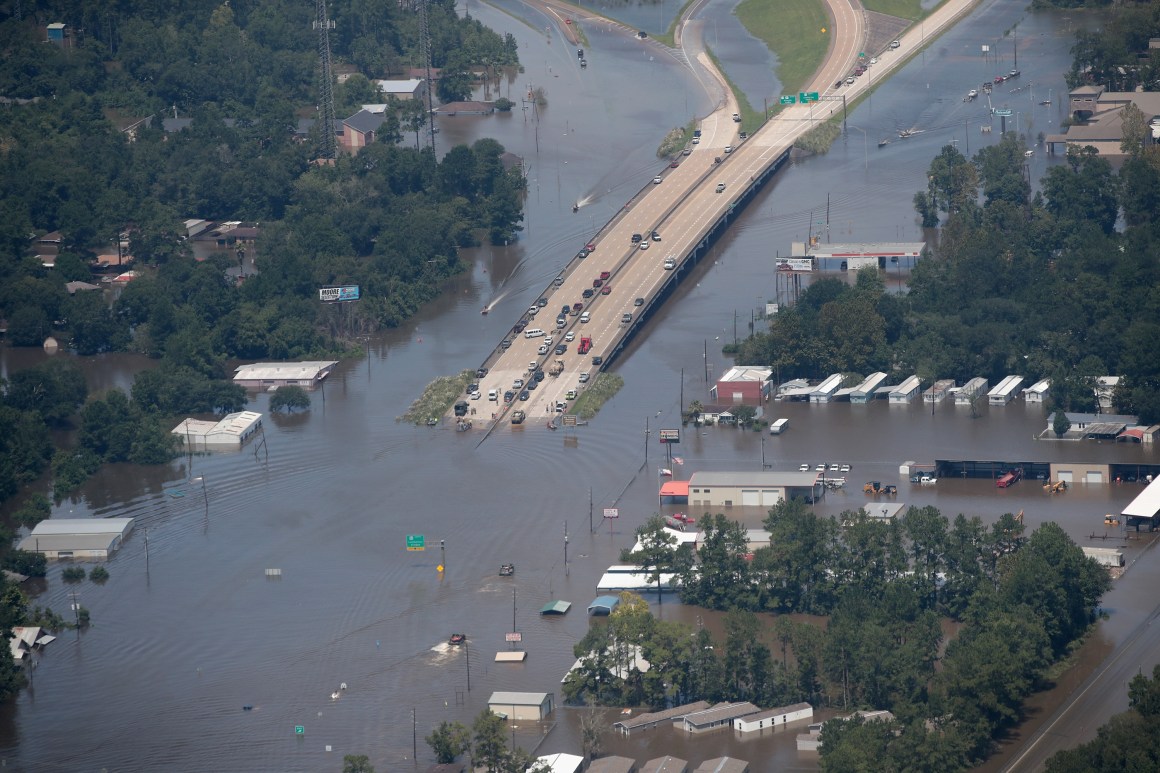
{"x": 556, "y": 608}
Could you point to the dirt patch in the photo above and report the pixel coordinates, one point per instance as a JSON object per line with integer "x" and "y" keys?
{"x": 881, "y": 30}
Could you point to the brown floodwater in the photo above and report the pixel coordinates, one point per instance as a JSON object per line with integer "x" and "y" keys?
{"x": 189, "y": 629}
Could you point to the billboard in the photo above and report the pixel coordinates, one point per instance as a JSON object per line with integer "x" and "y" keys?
{"x": 611, "y": 512}
{"x": 336, "y": 294}
{"x": 670, "y": 436}
{"x": 795, "y": 264}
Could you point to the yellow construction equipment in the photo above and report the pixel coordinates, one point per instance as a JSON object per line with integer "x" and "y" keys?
{"x": 1055, "y": 487}
{"x": 872, "y": 487}
{"x": 1111, "y": 520}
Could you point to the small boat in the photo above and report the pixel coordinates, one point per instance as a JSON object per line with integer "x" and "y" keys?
{"x": 457, "y": 638}
{"x": 552, "y": 426}
{"x": 883, "y": 143}
{"x": 1045, "y": 101}
{"x": 972, "y": 94}
{"x": 905, "y": 133}
{"x": 666, "y": 473}
{"x": 484, "y": 311}
{"x": 507, "y": 570}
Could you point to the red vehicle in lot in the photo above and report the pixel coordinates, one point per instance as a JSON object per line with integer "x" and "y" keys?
{"x": 605, "y": 275}
{"x": 597, "y": 282}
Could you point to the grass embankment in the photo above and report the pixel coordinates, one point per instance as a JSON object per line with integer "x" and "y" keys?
{"x": 792, "y": 29}
{"x": 903, "y": 9}
{"x": 600, "y": 391}
{"x": 437, "y": 398}
{"x": 676, "y": 140}
{"x": 820, "y": 138}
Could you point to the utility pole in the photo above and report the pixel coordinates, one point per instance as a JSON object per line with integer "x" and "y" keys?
{"x": 682, "y": 403}
{"x": 414, "y": 738}
{"x": 565, "y": 548}
{"x": 590, "y": 529}
{"x": 146, "y": 550}
{"x": 467, "y": 653}
{"x": 646, "y": 440}
{"x": 76, "y": 610}
{"x": 442, "y": 556}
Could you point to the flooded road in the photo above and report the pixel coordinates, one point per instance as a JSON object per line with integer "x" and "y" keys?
{"x": 189, "y": 629}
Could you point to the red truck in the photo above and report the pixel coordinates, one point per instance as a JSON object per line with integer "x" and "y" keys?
{"x": 585, "y": 344}
{"x": 1009, "y": 478}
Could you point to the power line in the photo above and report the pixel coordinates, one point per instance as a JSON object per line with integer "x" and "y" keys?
{"x": 326, "y": 79}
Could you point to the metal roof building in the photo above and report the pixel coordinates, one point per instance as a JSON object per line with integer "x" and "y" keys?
{"x": 1146, "y": 505}
{"x": 864, "y": 392}
{"x": 1004, "y": 391}
{"x": 522, "y": 705}
{"x": 612, "y": 764}
{"x": 905, "y": 392}
{"x": 640, "y": 580}
{"x": 710, "y": 490}
{"x": 270, "y": 375}
{"x": 938, "y": 391}
{"x": 721, "y": 715}
{"x": 556, "y": 608}
{"x": 666, "y": 764}
{"x": 562, "y": 763}
{"x": 655, "y": 718}
{"x": 771, "y": 718}
{"x": 824, "y": 391}
{"x": 92, "y": 538}
{"x": 1037, "y": 392}
{"x": 723, "y": 765}
{"x": 231, "y": 432}
{"x": 970, "y": 390}
{"x": 603, "y": 605}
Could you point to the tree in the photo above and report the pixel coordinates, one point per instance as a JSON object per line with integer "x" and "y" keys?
{"x": 489, "y": 746}
{"x": 289, "y": 398}
{"x": 357, "y": 763}
{"x": 448, "y": 741}
{"x": 54, "y": 389}
{"x": 658, "y": 550}
{"x": 592, "y": 730}
{"x": 1060, "y": 424}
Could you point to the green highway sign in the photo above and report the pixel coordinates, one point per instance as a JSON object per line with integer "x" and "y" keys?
{"x": 861, "y": 54}
{"x": 1003, "y": 112}
{"x": 808, "y": 96}
{"x": 299, "y": 730}
{"x": 415, "y": 542}
{"x": 788, "y": 100}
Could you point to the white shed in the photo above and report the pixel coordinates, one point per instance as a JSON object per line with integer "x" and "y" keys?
{"x": 84, "y": 538}
{"x": 522, "y": 705}
{"x": 906, "y": 391}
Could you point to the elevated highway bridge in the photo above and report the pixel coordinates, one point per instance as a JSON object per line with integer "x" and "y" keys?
{"x": 688, "y": 205}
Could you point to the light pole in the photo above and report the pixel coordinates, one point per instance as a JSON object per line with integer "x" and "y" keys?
{"x": 865, "y": 148}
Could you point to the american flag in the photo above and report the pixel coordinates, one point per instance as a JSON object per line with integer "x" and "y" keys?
{"x": 678, "y": 460}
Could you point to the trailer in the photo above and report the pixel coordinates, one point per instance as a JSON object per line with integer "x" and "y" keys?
{"x": 1009, "y": 478}
{"x": 778, "y": 426}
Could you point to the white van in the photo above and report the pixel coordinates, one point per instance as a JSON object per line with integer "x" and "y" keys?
{"x": 585, "y": 317}
{"x": 534, "y": 332}
{"x": 493, "y": 395}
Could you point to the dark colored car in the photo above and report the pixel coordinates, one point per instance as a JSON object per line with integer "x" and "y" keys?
{"x": 638, "y": 302}
{"x": 577, "y": 307}
{"x": 597, "y": 360}
{"x": 538, "y": 375}
{"x": 588, "y": 293}
{"x": 674, "y": 164}
{"x": 565, "y": 309}
{"x": 607, "y": 289}
{"x": 461, "y": 408}
{"x": 636, "y": 238}
{"x": 597, "y": 282}
{"x": 525, "y": 395}
{"x": 508, "y": 396}
{"x": 533, "y": 384}
{"x": 542, "y": 302}
{"x": 472, "y": 388}
{"x": 605, "y": 275}
{"x": 582, "y": 254}
{"x": 481, "y": 373}
{"x": 561, "y": 348}
{"x": 505, "y": 343}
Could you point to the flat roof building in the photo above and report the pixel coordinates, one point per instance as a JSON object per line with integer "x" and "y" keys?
{"x": 1146, "y": 505}
{"x": 83, "y": 538}
{"x": 710, "y": 490}
{"x": 267, "y": 376}
{"x": 230, "y": 432}
{"x": 883, "y": 511}
{"x": 743, "y": 386}
{"x": 522, "y": 705}
{"x": 562, "y": 763}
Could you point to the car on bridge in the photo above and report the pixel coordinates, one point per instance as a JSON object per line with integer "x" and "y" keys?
{"x": 588, "y": 293}
{"x": 636, "y": 238}
{"x": 561, "y": 349}
{"x": 644, "y": 245}
{"x": 597, "y": 360}
{"x": 670, "y": 264}
{"x": 605, "y": 275}
{"x": 638, "y": 302}
{"x": 656, "y": 236}
{"x": 606, "y": 290}
{"x": 720, "y": 187}
{"x": 658, "y": 180}
{"x": 597, "y": 282}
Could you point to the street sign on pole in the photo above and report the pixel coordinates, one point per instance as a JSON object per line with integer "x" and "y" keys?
{"x": 807, "y": 96}
{"x": 415, "y": 542}
{"x": 299, "y": 730}
{"x": 787, "y": 100}
{"x": 1003, "y": 112}
{"x": 514, "y": 636}
{"x": 670, "y": 436}
{"x": 611, "y": 512}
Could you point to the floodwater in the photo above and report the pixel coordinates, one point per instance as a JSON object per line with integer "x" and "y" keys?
{"x": 189, "y": 629}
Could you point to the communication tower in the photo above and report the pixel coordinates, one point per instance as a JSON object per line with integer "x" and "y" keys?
{"x": 326, "y": 79}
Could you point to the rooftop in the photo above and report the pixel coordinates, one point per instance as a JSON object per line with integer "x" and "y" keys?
{"x": 306, "y": 370}
{"x": 508, "y": 698}
{"x": 746, "y": 374}
{"x": 58, "y": 526}
{"x": 753, "y": 478}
